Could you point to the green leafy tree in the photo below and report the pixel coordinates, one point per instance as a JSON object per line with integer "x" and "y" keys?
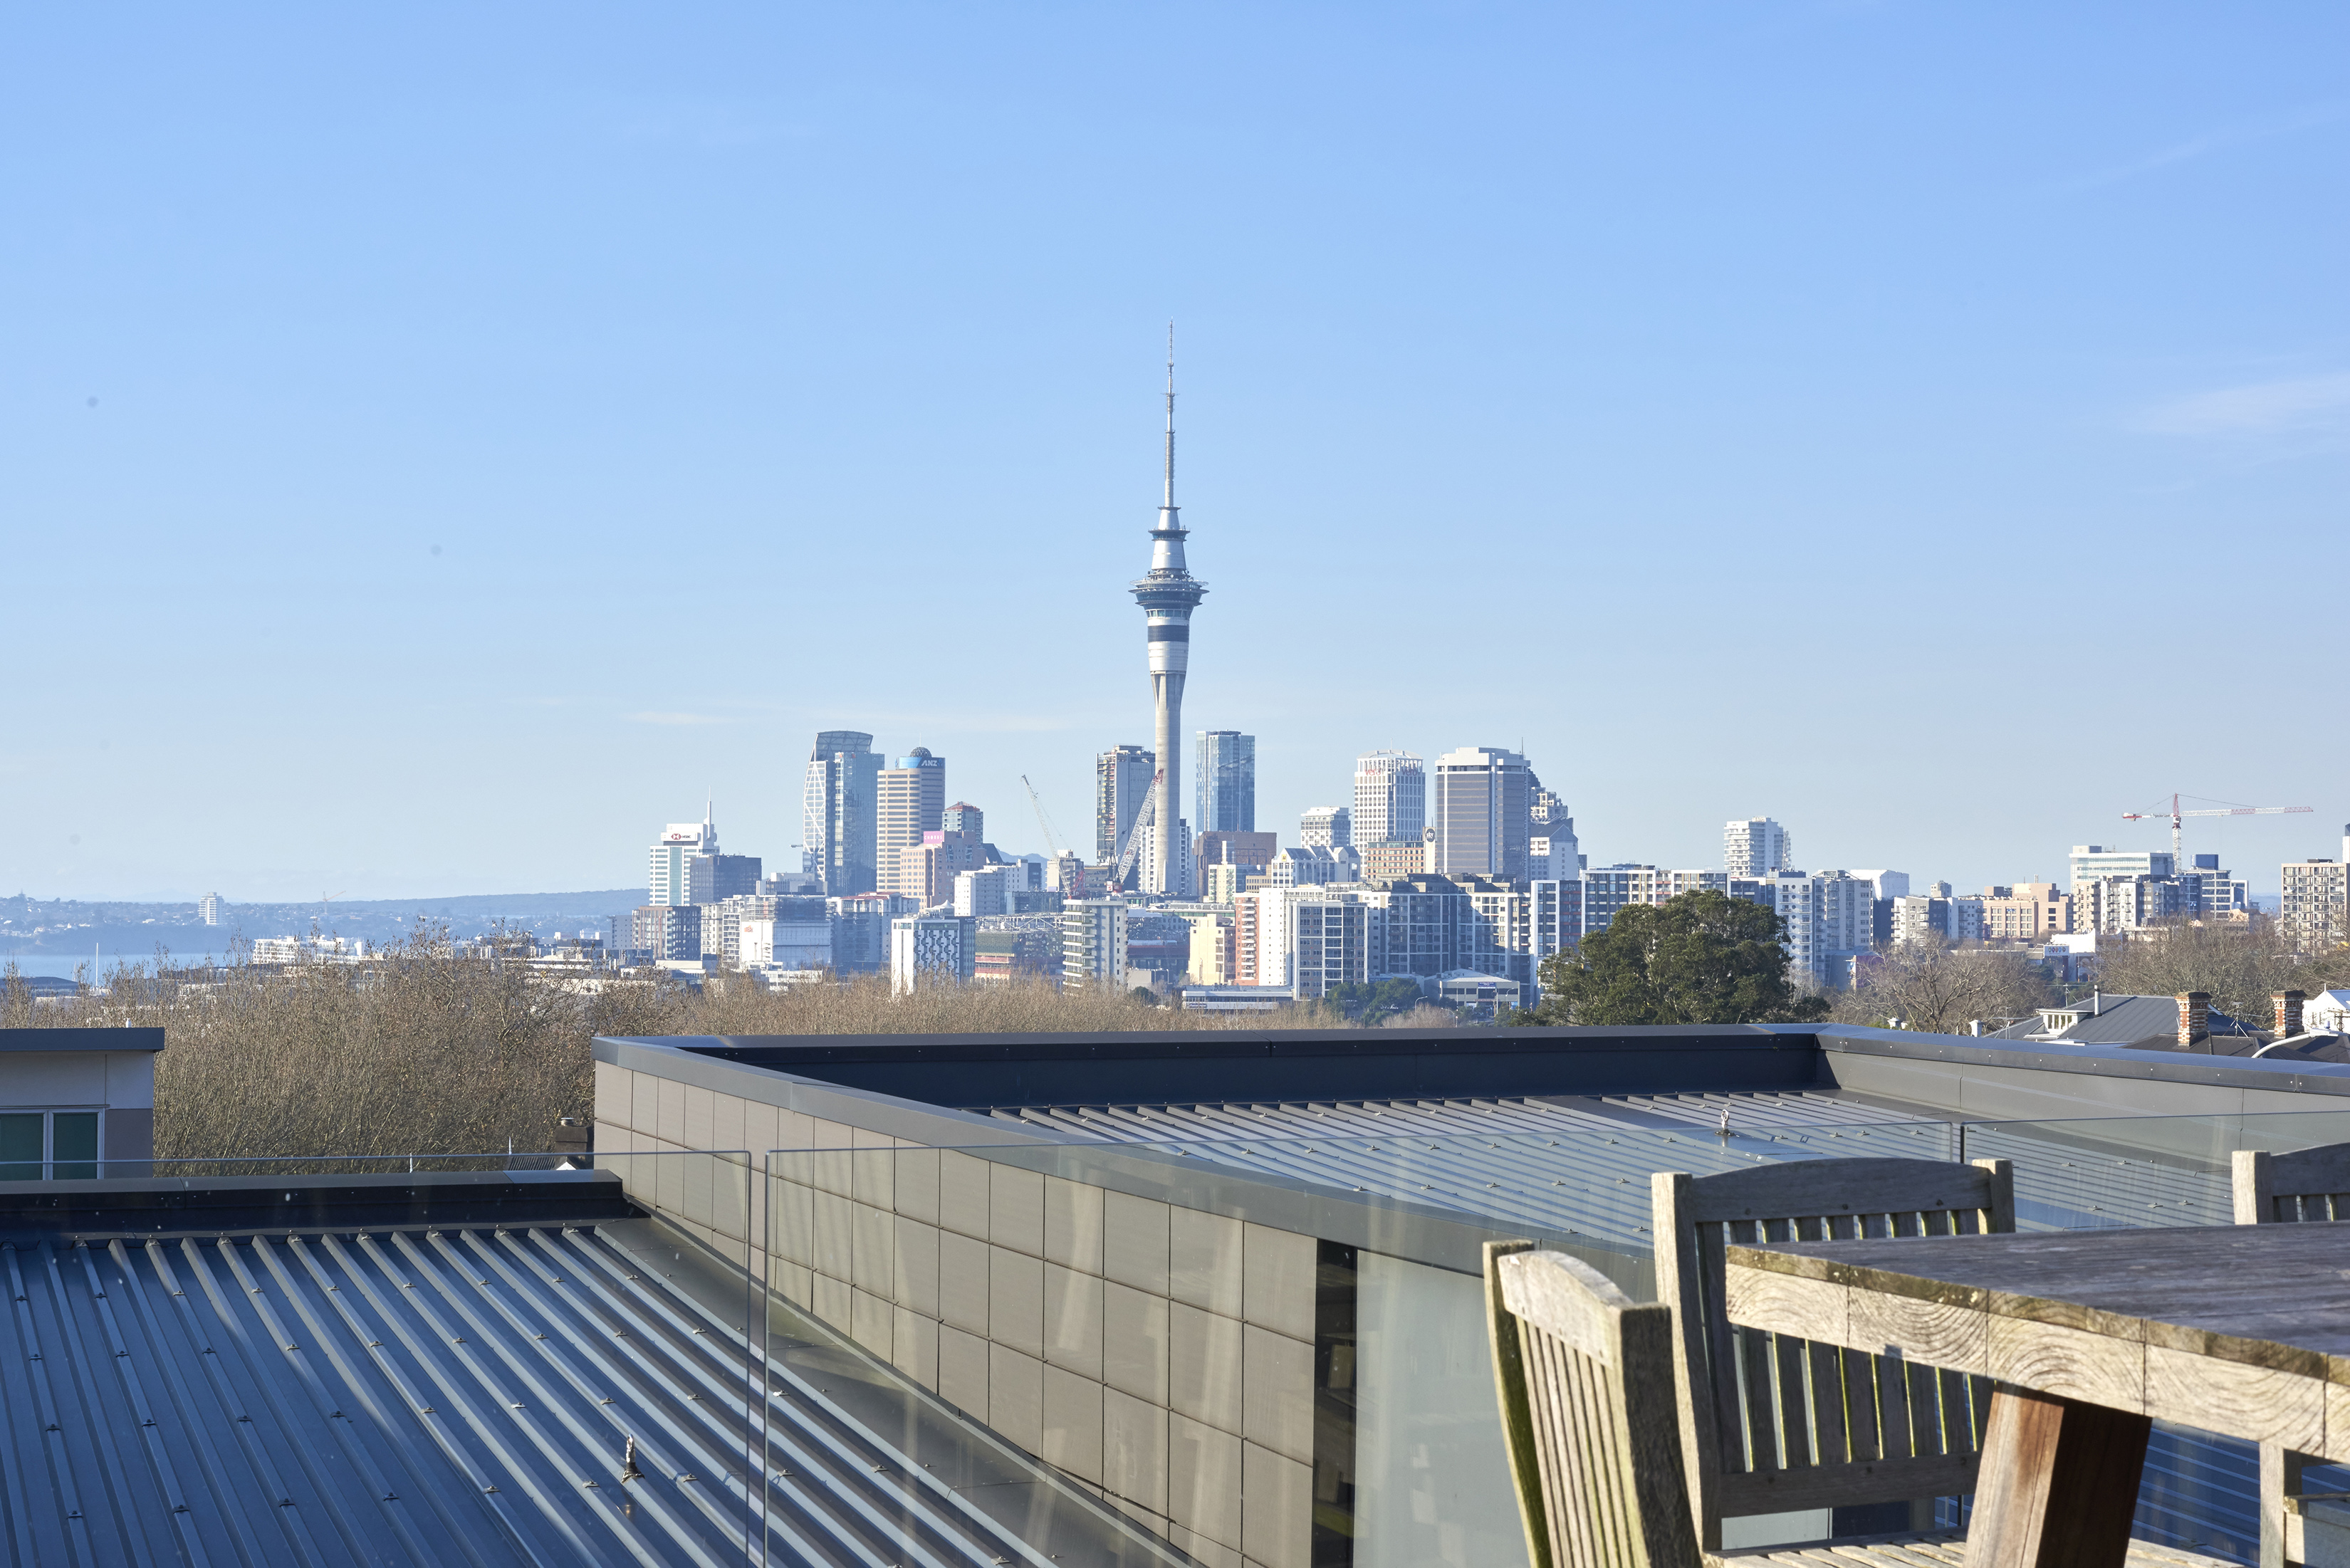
{"x": 1374, "y": 1004}
{"x": 1702, "y": 958}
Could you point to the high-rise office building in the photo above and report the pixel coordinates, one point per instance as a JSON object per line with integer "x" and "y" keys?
{"x": 1167, "y": 594}
{"x": 714, "y": 878}
{"x": 1483, "y": 806}
{"x": 1329, "y": 827}
{"x": 1227, "y": 782}
{"x": 1552, "y": 852}
{"x": 670, "y": 872}
{"x": 1390, "y": 799}
{"x": 1121, "y": 779}
{"x": 910, "y": 799}
{"x": 964, "y": 817}
{"x": 836, "y": 822}
{"x": 1756, "y": 847}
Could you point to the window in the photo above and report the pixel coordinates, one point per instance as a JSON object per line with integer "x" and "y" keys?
{"x": 40, "y": 1146}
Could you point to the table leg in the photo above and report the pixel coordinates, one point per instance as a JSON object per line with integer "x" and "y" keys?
{"x": 2058, "y": 1483}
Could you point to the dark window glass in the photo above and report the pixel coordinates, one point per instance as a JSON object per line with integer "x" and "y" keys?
{"x": 20, "y": 1147}
{"x": 74, "y": 1145}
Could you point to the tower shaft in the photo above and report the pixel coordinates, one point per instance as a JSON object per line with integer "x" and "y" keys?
{"x": 1168, "y": 594}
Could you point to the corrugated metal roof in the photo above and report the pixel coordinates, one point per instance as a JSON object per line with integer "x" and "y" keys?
{"x": 1581, "y": 1166}
{"x": 429, "y": 1397}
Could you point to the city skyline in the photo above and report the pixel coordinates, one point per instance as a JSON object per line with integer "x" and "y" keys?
{"x": 377, "y": 403}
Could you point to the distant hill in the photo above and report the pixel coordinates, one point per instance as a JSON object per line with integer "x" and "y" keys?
{"x": 68, "y": 925}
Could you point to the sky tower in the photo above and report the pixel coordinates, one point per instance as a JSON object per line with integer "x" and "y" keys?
{"x": 1167, "y": 594}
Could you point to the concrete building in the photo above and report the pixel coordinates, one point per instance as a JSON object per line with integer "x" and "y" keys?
{"x": 2215, "y": 893}
{"x": 1390, "y": 799}
{"x": 76, "y": 1104}
{"x": 211, "y": 909}
{"x": 1227, "y": 783}
{"x": 1328, "y": 826}
{"x": 1552, "y": 852}
{"x": 1608, "y": 889}
{"x": 927, "y": 871}
{"x": 1252, "y": 851}
{"x": 1167, "y": 870}
{"x": 1330, "y": 944}
{"x": 670, "y": 934}
{"x": 837, "y": 822}
{"x": 1920, "y": 918}
{"x": 1216, "y": 959}
{"x": 1755, "y": 847}
{"x": 1315, "y": 867}
{"x": 1385, "y": 862}
{"x": 714, "y": 878}
{"x": 986, "y": 890}
{"x": 910, "y": 799}
{"x": 2117, "y": 905}
{"x": 769, "y": 943}
{"x": 2094, "y": 862}
{"x": 2314, "y": 908}
{"x": 928, "y": 951}
{"x": 670, "y": 868}
{"x": 1168, "y": 594}
{"x": 1093, "y": 944}
{"x": 2025, "y": 911}
{"x": 1121, "y": 780}
{"x": 1483, "y": 806}
{"x": 860, "y": 930}
{"x": 1828, "y": 915}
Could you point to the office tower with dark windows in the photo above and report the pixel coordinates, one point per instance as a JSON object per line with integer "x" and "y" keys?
{"x": 1227, "y": 785}
{"x": 837, "y": 821}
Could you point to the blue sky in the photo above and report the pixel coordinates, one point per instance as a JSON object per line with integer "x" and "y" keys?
{"x": 1926, "y": 424}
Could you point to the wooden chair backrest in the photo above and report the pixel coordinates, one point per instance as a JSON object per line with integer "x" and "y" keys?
{"x": 1585, "y": 1380}
{"x": 1771, "y": 1423}
{"x": 2307, "y": 1184}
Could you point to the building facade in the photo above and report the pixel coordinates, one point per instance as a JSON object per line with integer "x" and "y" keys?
{"x": 1481, "y": 812}
{"x": 670, "y": 870}
{"x": 1121, "y": 780}
{"x": 1227, "y": 783}
{"x": 928, "y": 951}
{"x": 2313, "y": 912}
{"x": 1385, "y": 862}
{"x": 1390, "y": 799}
{"x": 1328, "y": 826}
{"x": 1756, "y": 847}
{"x": 910, "y": 799}
{"x": 1827, "y": 917}
{"x": 2025, "y": 911}
{"x": 837, "y": 821}
{"x": 1093, "y": 944}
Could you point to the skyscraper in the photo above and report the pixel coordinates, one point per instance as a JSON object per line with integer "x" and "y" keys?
{"x": 670, "y": 873}
{"x": 1167, "y": 594}
{"x": 1756, "y": 847}
{"x": 815, "y": 794}
{"x": 1484, "y": 800}
{"x": 1390, "y": 799}
{"x": 837, "y": 822}
{"x": 1227, "y": 782}
{"x": 909, "y": 800}
{"x": 1121, "y": 776}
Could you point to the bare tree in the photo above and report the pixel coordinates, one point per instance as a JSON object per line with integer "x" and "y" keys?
{"x": 2241, "y": 962}
{"x": 1940, "y": 989}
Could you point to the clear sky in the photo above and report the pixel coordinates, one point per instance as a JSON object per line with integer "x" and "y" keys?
{"x": 439, "y": 443}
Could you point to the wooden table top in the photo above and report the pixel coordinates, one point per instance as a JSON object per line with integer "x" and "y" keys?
{"x": 2270, "y": 1295}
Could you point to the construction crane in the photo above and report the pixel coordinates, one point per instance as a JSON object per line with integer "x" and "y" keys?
{"x": 2175, "y": 814}
{"x": 1142, "y": 819}
{"x": 1052, "y": 839}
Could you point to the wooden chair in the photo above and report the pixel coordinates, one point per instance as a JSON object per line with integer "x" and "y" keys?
{"x": 2309, "y": 1184}
{"x": 1772, "y": 1425}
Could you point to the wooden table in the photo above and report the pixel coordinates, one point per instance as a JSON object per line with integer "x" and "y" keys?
{"x": 2090, "y": 1335}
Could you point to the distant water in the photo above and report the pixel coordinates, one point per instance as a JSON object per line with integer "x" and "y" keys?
{"x": 62, "y": 965}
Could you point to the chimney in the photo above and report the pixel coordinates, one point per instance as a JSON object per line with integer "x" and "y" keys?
{"x": 2288, "y": 1012}
{"x": 2195, "y": 1021}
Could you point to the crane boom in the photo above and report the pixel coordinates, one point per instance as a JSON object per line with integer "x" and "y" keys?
{"x": 1052, "y": 839}
{"x": 1142, "y": 819}
{"x": 2175, "y": 815}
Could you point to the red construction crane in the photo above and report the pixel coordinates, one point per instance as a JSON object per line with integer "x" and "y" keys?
{"x": 2175, "y": 813}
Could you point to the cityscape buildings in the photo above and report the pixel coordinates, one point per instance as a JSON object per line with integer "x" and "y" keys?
{"x": 2313, "y": 910}
{"x": 1227, "y": 785}
{"x": 670, "y": 874}
{"x": 837, "y": 817}
{"x": 1167, "y": 594}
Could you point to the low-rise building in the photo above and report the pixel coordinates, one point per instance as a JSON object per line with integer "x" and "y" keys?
{"x": 1393, "y": 857}
{"x": 932, "y": 949}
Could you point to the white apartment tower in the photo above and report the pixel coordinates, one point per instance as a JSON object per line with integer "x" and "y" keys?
{"x": 1390, "y": 799}
{"x": 210, "y": 910}
{"x": 1167, "y": 594}
{"x": 1756, "y": 847}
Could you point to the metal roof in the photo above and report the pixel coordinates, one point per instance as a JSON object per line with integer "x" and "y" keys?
{"x": 461, "y": 1395}
{"x": 1581, "y": 1166}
